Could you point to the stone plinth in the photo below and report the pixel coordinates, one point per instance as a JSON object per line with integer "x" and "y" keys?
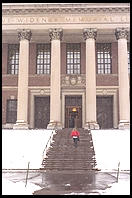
{"x": 54, "y": 125}
{"x": 124, "y": 124}
{"x": 20, "y": 124}
{"x": 91, "y": 125}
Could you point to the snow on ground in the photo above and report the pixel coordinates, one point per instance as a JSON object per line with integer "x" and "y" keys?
{"x": 112, "y": 147}
{"x": 18, "y": 188}
{"x": 22, "y": 146}
{"x": 120, "y": 188}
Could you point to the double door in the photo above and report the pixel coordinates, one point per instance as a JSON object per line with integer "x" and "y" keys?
{"x": 73, "y": 111}
{"x": 105, "y": 111}
{"x": 42, "y": 112}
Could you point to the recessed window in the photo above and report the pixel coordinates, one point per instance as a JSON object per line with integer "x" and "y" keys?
{"x": 11, "y": 111}
{"x": 73, "y": 57}
{"x": 43, "y": 58}
{"x": 13, "y": 58}
{"x": 103, "y": 58}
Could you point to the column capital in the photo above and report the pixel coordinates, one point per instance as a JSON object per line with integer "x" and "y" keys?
{"x": 90, "y": 33}
{"x": 121, "y": 33}
{"x": 55, "y": 33}
{"x": 24, "y": 34}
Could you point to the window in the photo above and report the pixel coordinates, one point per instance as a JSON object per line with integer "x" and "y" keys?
{"x": 103, "y": 58}
{"x": 73, "y": 57}
{"x": 11, "y": 111}
{"x": 128, "y": 52}
{"x": 43, "y": 58}
{"x": 13, "y": 58}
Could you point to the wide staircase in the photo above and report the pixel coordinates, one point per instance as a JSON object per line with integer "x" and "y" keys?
{"x": 63, "y": 155}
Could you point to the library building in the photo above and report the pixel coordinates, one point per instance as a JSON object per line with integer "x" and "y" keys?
{"x": 65, "y": 65}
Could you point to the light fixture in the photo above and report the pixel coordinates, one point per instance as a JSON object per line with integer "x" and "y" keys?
{"x": 74, "y": 109}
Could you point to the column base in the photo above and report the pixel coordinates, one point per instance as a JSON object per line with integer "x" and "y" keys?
{"x": 7, "y": 126}
{"x": 54, "y": 125}
{"x": 21, "y": 124}
{"x": 91, "y": 125}
{"x": 124, "y": 124}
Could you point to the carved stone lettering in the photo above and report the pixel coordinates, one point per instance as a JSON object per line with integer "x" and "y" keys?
{"x": 44, "y": 20}
{"x": 31, "y": 20}
{"x": 20, "y": 20}
{"x": 66, "y": 19}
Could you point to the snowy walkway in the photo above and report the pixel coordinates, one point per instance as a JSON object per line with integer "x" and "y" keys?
{"x": 20, "y": 147}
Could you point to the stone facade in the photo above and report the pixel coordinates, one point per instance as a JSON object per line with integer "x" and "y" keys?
{"x": 87, "y": 24}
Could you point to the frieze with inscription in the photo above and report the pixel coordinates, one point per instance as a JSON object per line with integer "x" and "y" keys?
{"x": 65, "y": 19}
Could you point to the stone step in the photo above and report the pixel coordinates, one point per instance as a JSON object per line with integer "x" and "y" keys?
{"x": 82, "y": 160}
{"x": 68, "y": 142}
{"x": 66, "y": 155}
{"x": 56, "y": 152}
{"x": 59, "y": 158}
{"x": 72, "y": 149}
{"x": 62, "y": 155}
{"x": 61, "y": 169}
{"x": 69, "y": 161}
{"x": 69, "y": 166}
{"x": 63, "y": 158}
{"x": 80, "y": 145}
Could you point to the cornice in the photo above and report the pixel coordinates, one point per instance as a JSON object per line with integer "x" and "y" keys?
{"x": 23, "y": 10}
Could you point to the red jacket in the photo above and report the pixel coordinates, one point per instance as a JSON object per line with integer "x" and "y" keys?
{"x": 75, "y": 133}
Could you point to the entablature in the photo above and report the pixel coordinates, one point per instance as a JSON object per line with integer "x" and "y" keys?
{"x": 64, "y": 8}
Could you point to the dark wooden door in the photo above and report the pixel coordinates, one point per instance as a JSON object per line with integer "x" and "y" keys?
{"x": 105, "y": 111}
{"x": 42, "y": 112}
{"x": 73, "y": 119}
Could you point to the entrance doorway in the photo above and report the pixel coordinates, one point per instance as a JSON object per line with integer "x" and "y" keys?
{"x": 73, "y": 111}
{"x": 42, "y": 112}
{"x": 105, "y": 112}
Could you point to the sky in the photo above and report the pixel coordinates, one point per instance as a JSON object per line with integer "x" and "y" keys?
{"x": 20, "y": 147}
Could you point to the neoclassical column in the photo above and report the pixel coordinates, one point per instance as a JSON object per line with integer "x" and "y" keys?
{"x": 24, "y": 37}
{"x": 124, "y": 100}
{"x": 90, "y": 36}
{"x": 55, "y": 89}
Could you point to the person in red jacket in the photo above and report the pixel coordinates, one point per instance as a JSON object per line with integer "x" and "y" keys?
{"x": 75, "y": 135}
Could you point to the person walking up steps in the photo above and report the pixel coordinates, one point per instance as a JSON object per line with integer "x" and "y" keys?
{"x": 75, "y": 135}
